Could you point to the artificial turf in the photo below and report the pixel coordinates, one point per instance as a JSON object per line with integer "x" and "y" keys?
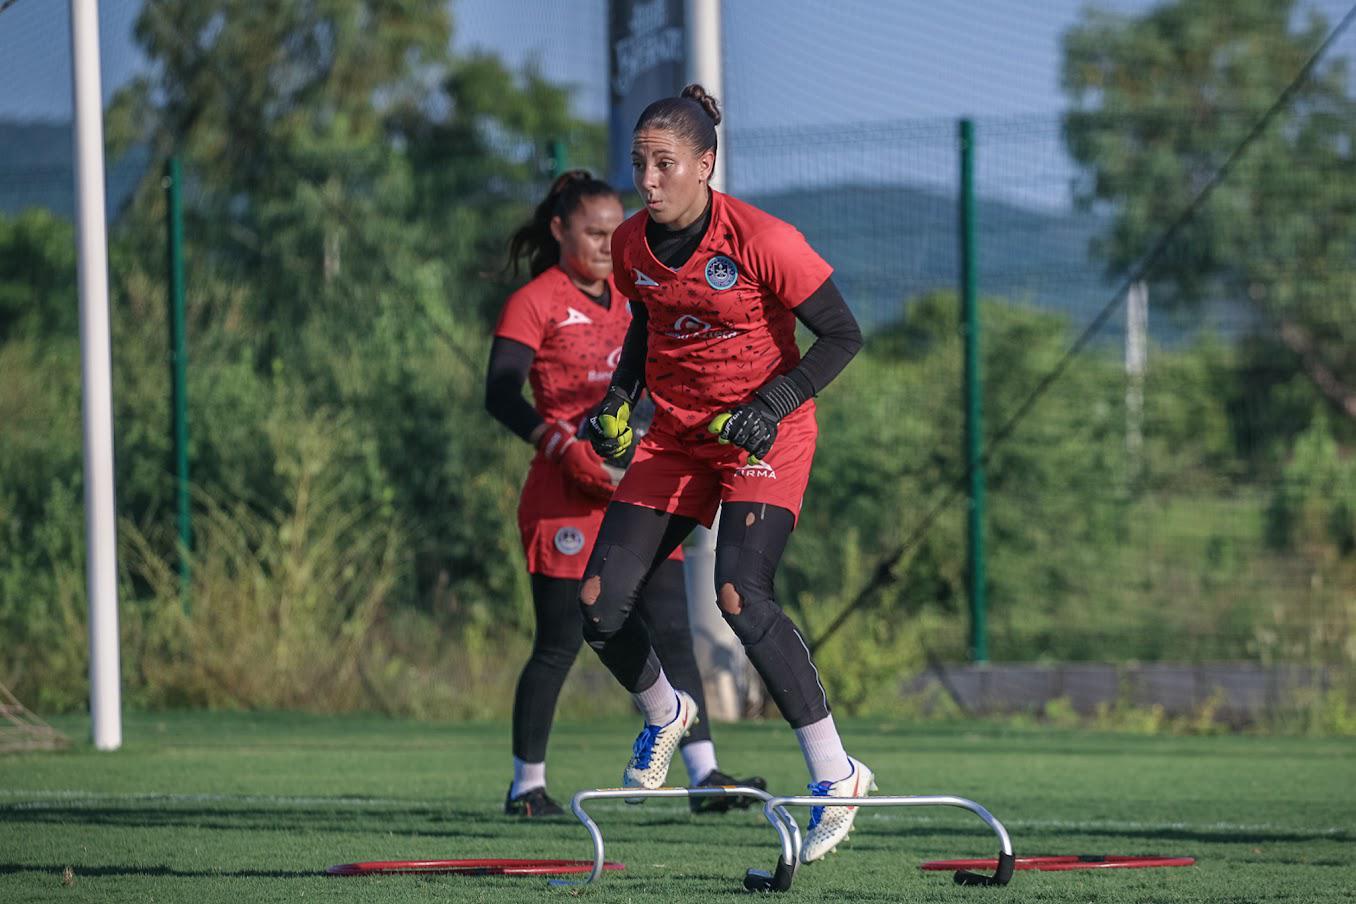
{"x": 236, "y": 808}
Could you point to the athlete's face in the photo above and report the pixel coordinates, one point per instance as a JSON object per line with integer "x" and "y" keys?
{"x": 670, "y": 176}
{"x": 586, "y": 237}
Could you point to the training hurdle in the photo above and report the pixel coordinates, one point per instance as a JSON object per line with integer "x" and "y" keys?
{"x": 781, "y": 878}
{"x": 788, "y": 831}
{"x": 596, "y": 835}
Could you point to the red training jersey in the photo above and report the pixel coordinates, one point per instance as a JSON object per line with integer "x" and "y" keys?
{"x": 577, "y": 343}
{"x": 721, "y": 325}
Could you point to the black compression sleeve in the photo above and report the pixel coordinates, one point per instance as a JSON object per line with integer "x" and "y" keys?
{"x": 629, "y": 376}
{"x": 509, "y": 363}
{"x": 837, "y": 340}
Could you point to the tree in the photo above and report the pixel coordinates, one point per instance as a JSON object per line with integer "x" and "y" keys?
{"x": 279, "y": 111}
{"x": 37, "y": 277}
{"x": 349, "y": 184}
{"x": 1158, "y": 104}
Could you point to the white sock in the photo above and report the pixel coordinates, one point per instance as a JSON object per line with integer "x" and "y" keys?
{"x": 527, "y": 776}
{"x": 823, "y": 750}
{"x": 658, "y": 702}
{"x": 700, "y": 759}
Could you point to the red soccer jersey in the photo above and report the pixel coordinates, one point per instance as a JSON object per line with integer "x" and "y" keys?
{"x": 721, "y": 325}
{"x": 578, "y": 343}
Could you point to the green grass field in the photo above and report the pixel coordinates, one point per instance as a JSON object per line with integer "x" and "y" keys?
{"x": 240, "y": 808}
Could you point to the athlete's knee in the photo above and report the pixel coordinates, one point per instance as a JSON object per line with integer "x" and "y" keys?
{"x": 731, "y": 603}
{"x": 557, "y": 657}
{"x": 612, "y": 582}
{"x": 753, "y": 621}
{"x": 743, "y": 585}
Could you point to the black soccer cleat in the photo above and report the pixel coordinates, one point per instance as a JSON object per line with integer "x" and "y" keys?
{"x": 715, "y": 779}
{"x": 531, "y": 804}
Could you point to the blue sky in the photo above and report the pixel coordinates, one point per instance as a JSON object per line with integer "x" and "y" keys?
{"x": 809, "y": 63}
{"x": 789, "y": 64}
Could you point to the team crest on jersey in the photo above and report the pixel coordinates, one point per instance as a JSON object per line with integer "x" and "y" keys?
{"x": 570, "y": 541}
{"x": 721, "y": 273}
{"x": 642, "y": 279}
{"x": 575, "y": 317}
{"x": 761, "y": 469}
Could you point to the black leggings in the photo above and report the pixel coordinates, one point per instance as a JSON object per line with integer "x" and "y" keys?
{"x": 749, "y": 545}
{"x": 559, "y": 635}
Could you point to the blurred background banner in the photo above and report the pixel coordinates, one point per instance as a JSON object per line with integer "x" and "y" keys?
{"x": 647, "y": 61}
{"x": 1174, "y": 503}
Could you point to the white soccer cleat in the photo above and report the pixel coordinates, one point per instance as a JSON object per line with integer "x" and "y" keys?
{"x": 655, "y": 746}
{"x": 830, "y": 826}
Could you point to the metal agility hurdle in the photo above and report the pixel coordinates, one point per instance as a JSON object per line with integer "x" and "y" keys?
{"x": 596, "y": 835}
{"x": 781, "y": 878}
{"x": 788, "y": 831}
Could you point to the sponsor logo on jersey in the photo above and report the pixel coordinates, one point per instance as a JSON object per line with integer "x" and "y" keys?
{"x": 603, "y": 376}
{"x": 761, "y": 469}
{"x": 689, "y": 327}
{"x": 642, "y": 279}
{"x": 574, "y": 317}
{"x": 570, "y": 541}
{"x": 721, "y": 273}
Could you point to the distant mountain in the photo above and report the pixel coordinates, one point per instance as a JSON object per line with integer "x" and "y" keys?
{"x": 37, "y": 169}
{"x": 891, "y": 243}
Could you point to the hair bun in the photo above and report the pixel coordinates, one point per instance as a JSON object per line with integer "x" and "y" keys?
{"x": 569, "y": 177}
{"x": 709, "y": 103}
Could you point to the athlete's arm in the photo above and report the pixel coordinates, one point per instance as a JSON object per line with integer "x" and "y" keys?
{"x": 510, "y": 362}
{"x": 837, "y": 341}
{"x": 753, "y": 426}
{"x": 629, "y": 376}
{"x": 609, "y": 428}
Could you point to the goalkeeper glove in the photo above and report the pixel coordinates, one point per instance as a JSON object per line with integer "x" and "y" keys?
{"x": 752, "y": 427}
{"x": 554, "y": 440}
{"x": 609, "y": 428}
{"x": 587, "y": 472}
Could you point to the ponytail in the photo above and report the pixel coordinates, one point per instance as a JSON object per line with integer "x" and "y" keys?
{"x": 534, "y": 239}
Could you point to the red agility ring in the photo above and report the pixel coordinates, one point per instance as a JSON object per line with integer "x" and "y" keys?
{"x": 1065, "y": 862}
{"x": 474, "y": 867}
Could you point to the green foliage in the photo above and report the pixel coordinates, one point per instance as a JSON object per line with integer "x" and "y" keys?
{"x": 1160, "y": 101}
{"x": 1314, "y": 506}
{"x": 355, "y": 508}
{"x": 37, "y": 277}
{"x": 282, "y": 604}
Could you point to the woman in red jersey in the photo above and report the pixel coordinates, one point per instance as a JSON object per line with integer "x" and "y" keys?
{"x": 562, "y": 333}
{"x": 717, "y": 287}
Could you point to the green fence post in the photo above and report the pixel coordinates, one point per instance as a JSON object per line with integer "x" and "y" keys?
{"x": 976, "y": 572}
{"x": 559, "y": 157}
{"x": 178, "y": 365}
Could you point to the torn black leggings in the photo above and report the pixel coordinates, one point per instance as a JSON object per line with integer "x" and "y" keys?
{"x": 749, "y": 544}
{"x": 663, "y": 606}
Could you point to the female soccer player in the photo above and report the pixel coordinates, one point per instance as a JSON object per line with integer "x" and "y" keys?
{"x": 563, "y": 332}
{"x": 716, "y": 287}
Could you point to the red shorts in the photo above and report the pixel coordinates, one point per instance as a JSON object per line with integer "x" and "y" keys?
{"x": 558, "y": 524}
{"x": 690, "y": 473}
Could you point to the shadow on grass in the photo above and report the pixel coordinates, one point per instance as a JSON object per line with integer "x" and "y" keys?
{"x": 878, "y": 830}
{"x": 422, "y": 822}
{"x": 154, "y": 872}
{"x": 634, "y": 883}
{"x": 429, "y": 823}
